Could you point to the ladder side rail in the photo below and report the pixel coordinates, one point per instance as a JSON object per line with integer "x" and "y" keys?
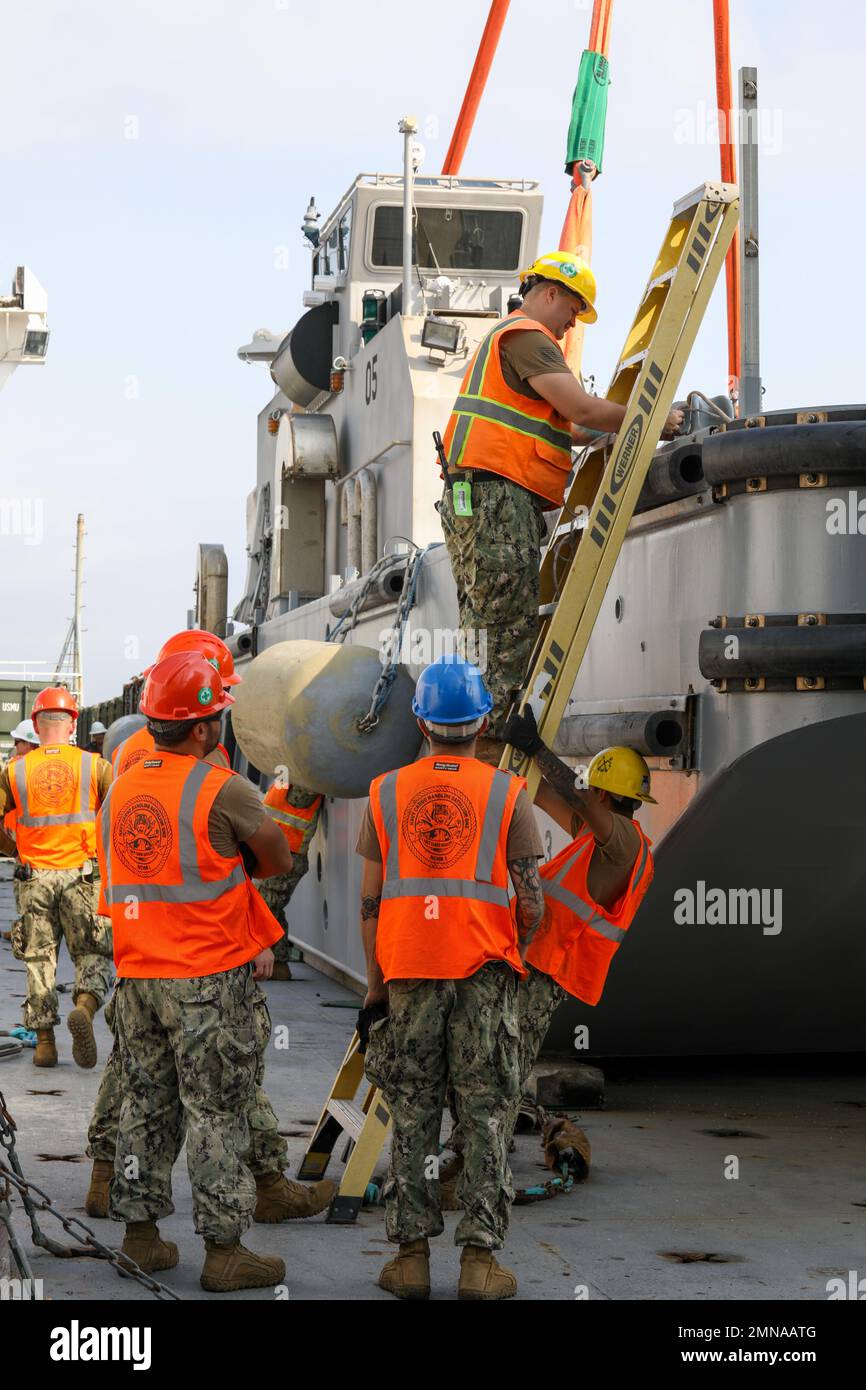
{"x": 566, "y": 633}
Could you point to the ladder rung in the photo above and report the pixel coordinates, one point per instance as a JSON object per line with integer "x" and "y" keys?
{"x": 350, "y": 1117}
{"x": 660, "y": 280}
{"x": 566, "y": 528}
{"x": 546, "y": 609}
{"x": 716, "y": 192}
{"x": 630, "y": 362}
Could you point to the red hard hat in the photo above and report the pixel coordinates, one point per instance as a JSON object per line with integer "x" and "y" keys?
{"x": 184, "y": 686}
{"x": 55, "y": 698}
{"x": 205, "y": 644}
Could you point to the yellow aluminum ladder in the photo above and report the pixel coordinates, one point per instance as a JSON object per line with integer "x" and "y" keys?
{"x": 366, "y": 1127}
{"x": 575, "y": 571}
{"x": 584, "y": 545}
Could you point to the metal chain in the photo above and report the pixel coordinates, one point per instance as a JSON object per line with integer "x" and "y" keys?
{"x": 405, "y": 604}
{"x": 22, "y": 1264}
{"x": 10, "y": 1171}
{"x": 350, "y": 617}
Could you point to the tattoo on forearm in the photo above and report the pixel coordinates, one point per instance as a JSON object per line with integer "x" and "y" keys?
{"x": 561, "y": 778}
{"x": 530, "y": 896}
{"x": 370, "y": 907}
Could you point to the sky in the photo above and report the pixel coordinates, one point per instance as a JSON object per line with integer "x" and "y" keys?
{"x": 157, "y": 158}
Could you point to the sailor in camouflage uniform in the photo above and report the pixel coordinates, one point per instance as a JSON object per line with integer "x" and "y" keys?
{"x": 440, "y": 840}
{"x": 191, "y": 937}
{"x": 54, "y": 792}
{"x": 296, "y": 811}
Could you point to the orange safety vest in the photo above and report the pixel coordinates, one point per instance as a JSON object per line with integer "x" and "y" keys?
{"x": 177, "y": 907}
{"x": 500, "y": 431}
{"x": 579, "y": 938}
{"x": 298, "y": 823}
{"x": 56, "y": 800}
{"x": 444, "y": 909}
{"x": 141, "y": 745}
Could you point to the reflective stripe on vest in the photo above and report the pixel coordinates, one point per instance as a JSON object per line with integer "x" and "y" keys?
{"x": 480, "y": 886}
{"x": 471, "y": 405}
{"x": 473, "y": 386}
{"x": 554, "y": 888}
{"x": 82, "y": 817}
{"x": 297, "y": 822}
{"x": 192, "y": 887}
{"x": 485, "y": 409}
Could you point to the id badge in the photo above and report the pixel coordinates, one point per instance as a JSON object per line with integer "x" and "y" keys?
{"x": 462, "y": 493}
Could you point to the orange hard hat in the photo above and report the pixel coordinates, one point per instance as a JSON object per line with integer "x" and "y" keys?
{"x": 55, "y": 699}
{"x": 205, "y": 644}
{"x": 184, "y": 686}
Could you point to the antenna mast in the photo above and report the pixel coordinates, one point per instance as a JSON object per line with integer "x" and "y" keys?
{"x": 70, "y": 666}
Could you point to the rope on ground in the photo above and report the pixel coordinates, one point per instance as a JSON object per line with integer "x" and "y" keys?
{"x": 566, "y": 1151}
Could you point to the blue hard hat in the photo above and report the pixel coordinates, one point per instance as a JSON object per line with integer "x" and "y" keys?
{"x": 451, "y": 691}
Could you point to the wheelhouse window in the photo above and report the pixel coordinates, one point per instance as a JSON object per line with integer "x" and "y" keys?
{"x": 450, "y": 238}
{"x": 334, "y": 255}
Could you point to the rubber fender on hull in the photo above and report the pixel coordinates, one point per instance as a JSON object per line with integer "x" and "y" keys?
{"x": 298, "y": 707}
{"x": 779, "y": 969}
{"x": 121, "y": 729}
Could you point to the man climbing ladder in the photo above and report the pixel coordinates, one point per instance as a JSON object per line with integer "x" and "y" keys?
{"x": 508, "y": 444}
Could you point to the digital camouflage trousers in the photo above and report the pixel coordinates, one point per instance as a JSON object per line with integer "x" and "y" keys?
{"x": 61, "y": 905}
{"x": 277, "y": 893}
{"x": 537, "y": 999}
{"x": 268, "y": 1151}
{"x": 465, "y": 1030}
{"x": 495, "y": 555}
{"x": 189, "y": 1060}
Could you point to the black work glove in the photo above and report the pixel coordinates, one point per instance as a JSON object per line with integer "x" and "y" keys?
{"x": 366, "y": 1018}
{"x": 521, "y": 732}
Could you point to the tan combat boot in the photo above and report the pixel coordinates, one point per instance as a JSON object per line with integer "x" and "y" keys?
{"x": 281, "y": 970}
{"x": 230, "y": 1267}
{"x": 145, "y": 1245}
{"x": 449, "y": 1184}
{"x": 408, "y": 1274}
{"x": 481, "y": 1278}
{"x": 80, "y": 1025}
{"x": 96, "y": 1201}
{"x": 46, "y": 1049}
{"x": 280, "y": 1199}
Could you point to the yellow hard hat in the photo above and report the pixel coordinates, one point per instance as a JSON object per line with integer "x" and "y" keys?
{"x": 622, "y": 772}
{"x": 570, "y": 271}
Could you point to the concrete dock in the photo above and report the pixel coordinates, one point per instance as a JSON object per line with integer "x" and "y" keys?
{"x": 657, "y": 1219}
